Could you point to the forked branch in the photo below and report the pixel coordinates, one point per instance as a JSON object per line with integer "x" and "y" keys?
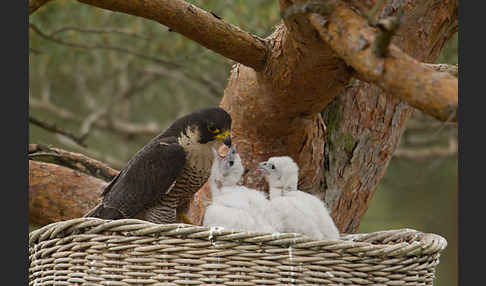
{"x": 348, "y": 34}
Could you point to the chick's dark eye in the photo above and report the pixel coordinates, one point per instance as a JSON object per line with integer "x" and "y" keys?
{"x": 231, "y": 163}
{"x": 273, "y": 167}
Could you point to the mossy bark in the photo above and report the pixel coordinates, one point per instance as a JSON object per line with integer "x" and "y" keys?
{"x": 375, "y": 120}
{"x": 295, "y": 97}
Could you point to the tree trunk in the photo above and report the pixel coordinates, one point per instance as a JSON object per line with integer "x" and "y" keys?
{"x": 60, "y": 193}
{"x": 296, "y": 96}
{"x": 364, "y": 124}
{"x": 276, "y": 111}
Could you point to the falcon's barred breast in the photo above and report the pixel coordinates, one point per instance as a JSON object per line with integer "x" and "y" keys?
{"x": 160, "y": 179}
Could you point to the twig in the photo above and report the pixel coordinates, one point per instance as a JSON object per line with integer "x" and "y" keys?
{"x": 214, "y": 89}
{"x": 53, "y": 128}
{"x": 35, "y": 51}
{"x": 76, "y": 161}
{"x": 104, "y": 47}
{"x": 99, "y": 31}
{"x": 142, "y": 81}
{"x": 100, "y": 156}
{"x": 187, "y": 19}
{"x": 386, "y": 30}
{"x": 450, "y": 150}
{"x": 36, "y": 4}
{"x": 85, "y": 129}
{"x": 371, "y": 15}
{"x": 307, "y": 7}
{"x": 121, "y": 127}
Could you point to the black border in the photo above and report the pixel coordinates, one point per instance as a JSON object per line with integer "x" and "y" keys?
{"x": 471, "y": 242}
{"x": 15, "y": 214}
{"x": 15, "y": 136}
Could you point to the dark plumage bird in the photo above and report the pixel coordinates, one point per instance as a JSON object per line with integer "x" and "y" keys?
{"x": 160, "y": 179}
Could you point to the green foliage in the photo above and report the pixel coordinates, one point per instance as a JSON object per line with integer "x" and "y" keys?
{"x": 84, "y": 80}
{"x": 449, "y": 54}
{"x": 421, "y": 195}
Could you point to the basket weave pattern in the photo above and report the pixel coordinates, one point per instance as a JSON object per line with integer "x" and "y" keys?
{"x": 90, "y": 251}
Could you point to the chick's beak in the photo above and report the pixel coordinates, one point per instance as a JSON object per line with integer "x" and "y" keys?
{"x": 262, "y": 167}
{"x": 231, "y": 153}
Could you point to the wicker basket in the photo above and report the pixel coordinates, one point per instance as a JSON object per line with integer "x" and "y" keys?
{"x": 89, "y": 251}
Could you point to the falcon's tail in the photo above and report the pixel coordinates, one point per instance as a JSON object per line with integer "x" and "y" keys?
{"x": 101, "y": 211}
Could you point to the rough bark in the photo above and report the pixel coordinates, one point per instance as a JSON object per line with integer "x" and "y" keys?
{"x": 352, "y": 39}
{"x": 346, "y": 32}
{"x": 276, "y": 103}
{"x": 450, "y": 69}
{"x": 65, "y": 185}
{"x": 364, "y": 124}
{"x": 75, "y": 161}
{"x": 59, "y": 193}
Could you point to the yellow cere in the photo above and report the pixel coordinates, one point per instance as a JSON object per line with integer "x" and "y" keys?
{"x": 223, "y": 134}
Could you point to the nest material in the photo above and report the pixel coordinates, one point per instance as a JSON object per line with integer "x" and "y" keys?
{"x": 91, "y": 251}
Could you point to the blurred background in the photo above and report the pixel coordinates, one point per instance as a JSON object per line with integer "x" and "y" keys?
{"x": 113, "y": 81}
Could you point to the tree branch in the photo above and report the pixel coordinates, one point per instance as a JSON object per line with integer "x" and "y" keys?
{"x": 196, "y": 24}
{"x": 121, "y": 127}
{"x": 365, "y": 123}
{"x": 451, "y": 69}
{"x": 50, "y": 37}
{"x": 99, "y": 31}
{"x": 54, "y": 199}
{"x": 424, "y": 153}
{"x": 53, "y": 128}
{"x": 351, "y": 38}
{"x": 36, "y": 4}
{"x": 75, "y": 161}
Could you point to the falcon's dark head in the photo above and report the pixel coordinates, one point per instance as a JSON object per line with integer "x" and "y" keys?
{"x": 212, "y": 123}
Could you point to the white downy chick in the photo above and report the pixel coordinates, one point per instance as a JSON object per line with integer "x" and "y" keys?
{"x": 234, "y": 206}
{"x": 291, "y": 210}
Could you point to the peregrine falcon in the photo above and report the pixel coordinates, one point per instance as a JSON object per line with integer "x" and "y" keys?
{"x": 291, "y": 210}
{"x": 234, "y": 206}
{"x": 160, "y": 179}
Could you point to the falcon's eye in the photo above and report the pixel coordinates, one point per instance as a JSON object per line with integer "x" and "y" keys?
{"x": 213, "y": 129}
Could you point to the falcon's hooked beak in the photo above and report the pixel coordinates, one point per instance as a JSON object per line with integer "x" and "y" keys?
{"x": 227, "y": 141}
{"x": 225, "y": 136}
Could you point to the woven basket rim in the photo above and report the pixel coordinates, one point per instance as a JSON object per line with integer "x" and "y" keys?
{"x": 389, "y": 243}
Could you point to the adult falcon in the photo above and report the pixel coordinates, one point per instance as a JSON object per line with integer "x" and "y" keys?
{"x": 160, "y": 179}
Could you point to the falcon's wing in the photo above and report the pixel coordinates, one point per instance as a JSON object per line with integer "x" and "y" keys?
{"x": 147, "y": 177}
